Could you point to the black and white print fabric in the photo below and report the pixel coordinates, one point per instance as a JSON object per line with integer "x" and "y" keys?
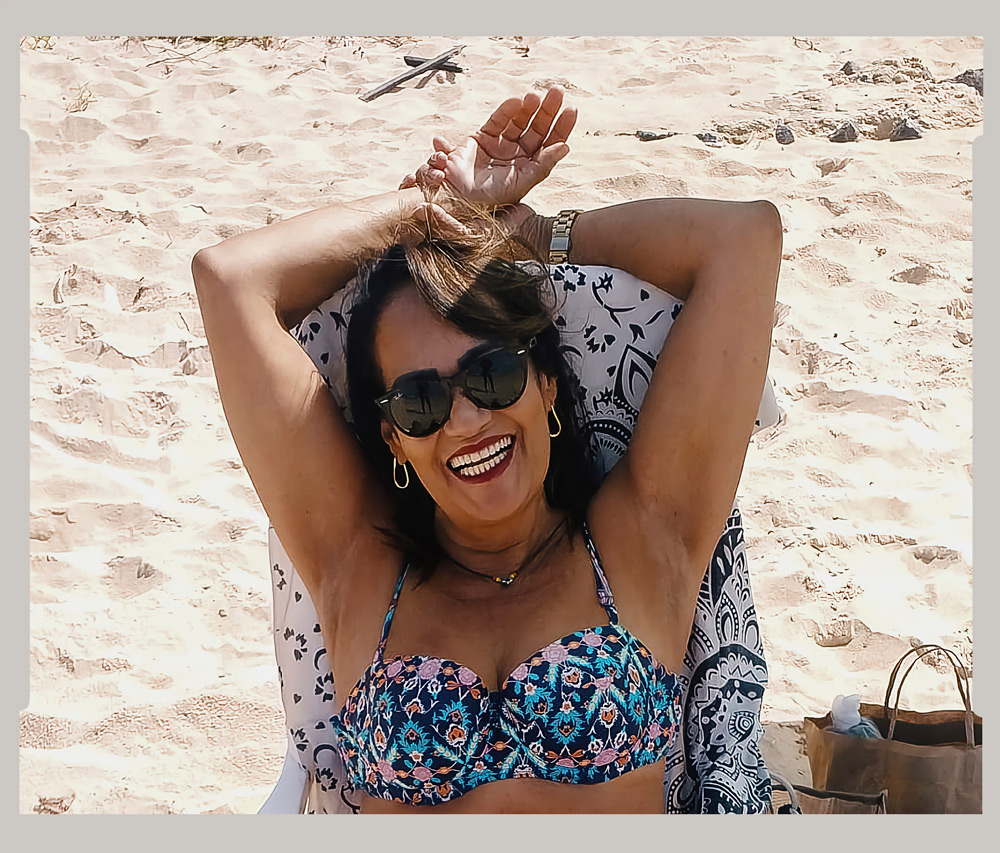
{"x": 613, "y": 327}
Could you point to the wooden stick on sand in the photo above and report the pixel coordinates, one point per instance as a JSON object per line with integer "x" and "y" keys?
{"x": 411, "y": 73}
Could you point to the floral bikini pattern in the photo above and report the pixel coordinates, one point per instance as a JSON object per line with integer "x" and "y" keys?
{"x": 585, "y": 709}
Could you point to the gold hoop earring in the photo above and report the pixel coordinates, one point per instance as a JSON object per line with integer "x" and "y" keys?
{"x": 406, "y": 471}
{"x": 552, "y": 412}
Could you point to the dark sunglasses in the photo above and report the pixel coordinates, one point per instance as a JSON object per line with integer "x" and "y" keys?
{"x": 419, "y": 403}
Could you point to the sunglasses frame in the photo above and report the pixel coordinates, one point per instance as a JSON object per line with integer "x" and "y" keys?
{"x": 458, "y": 380}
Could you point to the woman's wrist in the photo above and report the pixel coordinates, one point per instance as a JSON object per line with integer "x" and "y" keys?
{"x": 542, "y": 234}
{"x": 536, "y": 230}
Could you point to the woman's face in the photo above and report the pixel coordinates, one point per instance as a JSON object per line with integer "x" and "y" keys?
{"x": 409, "y": 337}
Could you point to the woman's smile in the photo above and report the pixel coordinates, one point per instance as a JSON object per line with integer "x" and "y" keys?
{"x": 485, "y": 464}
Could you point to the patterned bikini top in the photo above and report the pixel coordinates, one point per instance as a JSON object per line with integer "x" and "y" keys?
{"x": 587, "y": 708}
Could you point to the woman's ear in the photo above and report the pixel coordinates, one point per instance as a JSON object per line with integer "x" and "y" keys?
{"x": 389, "y": 437}
{"x": 549, "y": 388}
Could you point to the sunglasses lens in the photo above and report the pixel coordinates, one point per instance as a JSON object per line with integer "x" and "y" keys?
{"x": 420, "y": 408}
{"x": 496, "y": 380}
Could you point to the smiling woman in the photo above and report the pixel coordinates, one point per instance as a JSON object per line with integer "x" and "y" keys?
{"x": 482, "y": 424}
{"x": 461, "y": 525}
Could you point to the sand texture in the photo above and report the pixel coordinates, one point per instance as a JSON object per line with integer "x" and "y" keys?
{"x": 153, "y": 685}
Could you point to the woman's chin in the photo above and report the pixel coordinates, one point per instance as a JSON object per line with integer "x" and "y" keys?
{"x": 485, "y": 503}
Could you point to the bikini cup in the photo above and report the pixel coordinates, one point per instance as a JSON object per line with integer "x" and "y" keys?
{"x": 586, "y": 708}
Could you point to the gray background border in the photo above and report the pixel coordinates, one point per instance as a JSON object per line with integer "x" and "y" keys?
{"x": 178, "y": 17}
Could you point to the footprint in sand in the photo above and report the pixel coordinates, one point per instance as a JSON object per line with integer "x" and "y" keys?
{"x": 132, "y": 576}
{"x": 835, "y": 207}
{"x": 856, "y": 400}
{"x": 79, "y": 129}
{"x": 53, "y": 805}
{"x": 875, "y": 200}
{"x": 930, "y": 560}
{"x": 643, "y": 185}
{"x": 829, "y": 165}
{"x": 733, "y": 169}
{"x": 138, "y": 121}
{"x": 882, "y": 301}
{"x": 835, "y": 632}
{"x": 920, "y": 273}
{"x": 960, "y": 308}
{"x": 246, "y": 152}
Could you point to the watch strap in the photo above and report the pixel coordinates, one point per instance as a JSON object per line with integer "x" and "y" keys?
{"x": 562, "y": 227}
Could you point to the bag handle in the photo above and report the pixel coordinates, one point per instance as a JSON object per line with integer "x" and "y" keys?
{"x": 961, "y": 679}
{"x": 793, "y": 797}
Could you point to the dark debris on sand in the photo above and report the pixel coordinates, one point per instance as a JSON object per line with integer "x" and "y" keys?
{"x": 847, "y": 131}
{"x": 972, "y": 77}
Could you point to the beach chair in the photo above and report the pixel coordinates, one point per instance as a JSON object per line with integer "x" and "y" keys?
{"x": 613, "y": 327}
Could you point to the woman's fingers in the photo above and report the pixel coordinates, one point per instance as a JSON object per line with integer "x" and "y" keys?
{"x": 563, "y": 127}
{"x": 408, "y": 182}
{"x": 497, "y": 123}
{"x": 526, "y": 126}
{"x": 442, "y": 145}
{"x": 550, "y": 155}
{"x": 439, "y": 223}
{"x": 428, "y": 176}
{"x": 532, "y": 138}
{"x": 430, "y": 221}
{"x": 519, "y": 119}
{"x": 446, "y": 222}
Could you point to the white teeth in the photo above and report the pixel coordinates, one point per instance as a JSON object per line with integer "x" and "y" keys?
{"x": 482, "y": 468}
{"x": 479, "y": 455}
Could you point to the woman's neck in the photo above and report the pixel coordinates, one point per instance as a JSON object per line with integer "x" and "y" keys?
{"x": 499, "y": 548}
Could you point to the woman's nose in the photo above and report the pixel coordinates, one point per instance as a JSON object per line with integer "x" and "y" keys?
{"x": 466, "y": 417}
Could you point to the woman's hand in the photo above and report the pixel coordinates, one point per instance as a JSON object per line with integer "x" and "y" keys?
{"x": 429, "y": 220}
{"x": 512, "y": 152}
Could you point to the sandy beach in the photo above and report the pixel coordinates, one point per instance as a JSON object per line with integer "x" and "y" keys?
{"x": 153, "y": 682}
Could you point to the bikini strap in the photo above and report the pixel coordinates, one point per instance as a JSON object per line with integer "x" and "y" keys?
{"x": 377, "y": 657}
{"x": 603, "y": 587}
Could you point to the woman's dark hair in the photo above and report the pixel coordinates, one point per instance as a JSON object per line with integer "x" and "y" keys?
{"x": 490, "y": 287}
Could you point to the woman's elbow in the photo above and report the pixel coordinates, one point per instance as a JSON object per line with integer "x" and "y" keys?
{"x": 765, "y": 220}
{"x": 207, "y": 268}
{"x": 764, "y": 232}
{"x": 769, "y": 218}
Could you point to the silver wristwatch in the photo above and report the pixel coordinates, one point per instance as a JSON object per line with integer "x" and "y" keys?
{"x": 561, "y": 228}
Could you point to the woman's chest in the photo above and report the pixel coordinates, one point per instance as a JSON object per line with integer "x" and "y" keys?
{"x": 501, "y": 633}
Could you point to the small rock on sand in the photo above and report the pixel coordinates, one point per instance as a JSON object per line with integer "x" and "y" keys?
{"x": 849, "y": 68}
{"x": 783, "y": 133}
{"x": 651, "y": 135}
{"x": 713, "y": 140}
{"x": 906, "y": 129}
{"x": 847, "y": 131}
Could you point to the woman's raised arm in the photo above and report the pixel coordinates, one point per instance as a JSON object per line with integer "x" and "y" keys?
{"x": 302, "y": 456}
{"x": 686, "y": 455}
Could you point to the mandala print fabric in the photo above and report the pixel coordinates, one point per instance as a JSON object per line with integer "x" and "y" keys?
{"x": 613, "y": 327}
